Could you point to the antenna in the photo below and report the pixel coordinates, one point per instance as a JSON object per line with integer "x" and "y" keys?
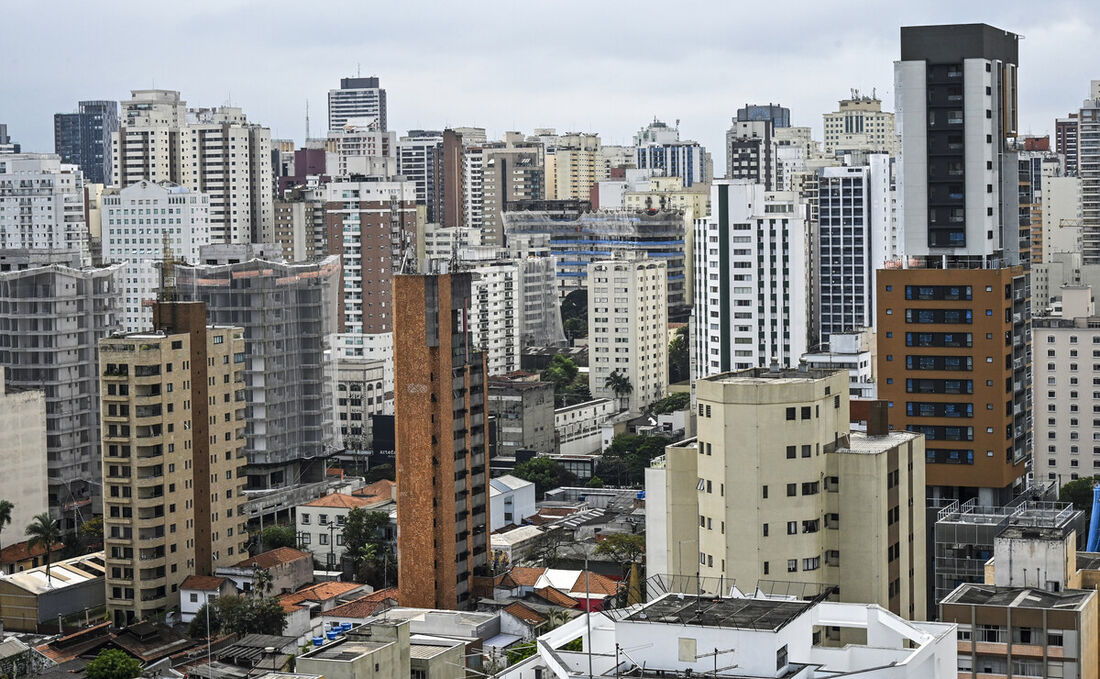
{"x": 307, "y": 120}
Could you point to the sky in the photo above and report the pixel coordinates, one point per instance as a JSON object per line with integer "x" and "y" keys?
{"x": 597, "y": 66}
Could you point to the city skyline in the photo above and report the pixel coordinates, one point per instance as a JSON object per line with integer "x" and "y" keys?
{"x": 624, "y": 67}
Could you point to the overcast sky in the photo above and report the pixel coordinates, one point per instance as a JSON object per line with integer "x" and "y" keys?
{"x": 597, "y": 65}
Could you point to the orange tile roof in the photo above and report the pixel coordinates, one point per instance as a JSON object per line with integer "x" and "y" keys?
{"x": 338, "y": 501}
{"x": 20, "y": 551}
{"x": 377, "y": 491}
{"x": 522, "y": 576}
{"x": 364, "y": 606}
{"x": 525, "y": 613}
{"x": 203, "y": 583}
{"x": 288, "y": 606}
{"x": 272, "y": 558}
{"x": 322, "y": 591}
{"x": 597, "y": 584}
{"x": 557, "y": 597}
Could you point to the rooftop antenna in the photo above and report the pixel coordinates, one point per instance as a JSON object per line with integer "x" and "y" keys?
{"x": 307, "y": 120}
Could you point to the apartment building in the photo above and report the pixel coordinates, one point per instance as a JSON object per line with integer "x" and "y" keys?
{"x": 628, "y": 331}
{"x": 372, "y": 224}
{"x": 52, "y": 317}
{"x": 173, "y": 404}
{"x": 524, "y": 411}
{"x": 362, "y": 146}
{"x": 84, "y": 138}
{"x": 1065, "y": 141}
{"x": 42, "y": 205}
{"x": 212, "y": 150}
{"x": 1067, "y": 375}
{"x": 287, "y": 313}
{"x": 440, "y": 401}
{"x": 146, "y": 222}
{"x": 816, "y": 502}
{"x": 512, "y": 171}
{"x": 752, "y": 279}
{"x": 659, "y": 147}
{"x": 1088, "y": 170}
{"x": 860, "y": 124}
{"x": 750, "y": 152}
{"x": 360, "y": 385}
{"x": 357, "y": 98}
{"x": 300, "y": 226}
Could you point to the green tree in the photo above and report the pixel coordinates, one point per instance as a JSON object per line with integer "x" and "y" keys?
{"x": 112, "y": 663}
{"x": 262, "y": 581}
{"x": 44, "y": 532}
{"x": 242, "y": 615}
{"x": 561, "y": 372}
{"x": 379, "y": 472}
{"x": 670, "y": 403}
{"x": 624, "y": 462}
{"x": 545, "y": 473}
{"x": 364, "y": 542}
{"x": 1079, "y": 492}
{"x": 6, "y": 507}
{"x": 595, "y": 482}
{"x": 362, "y": 528}
{"x": 679, "y": 357}
{"x": 574, "y": 314}
{"x": 197, "y": 627}
{"x": 276, "y": 536}
{"x": 622, "y": 548}
{"x": 545, "y": 548}
{"x": 620, "y": 384}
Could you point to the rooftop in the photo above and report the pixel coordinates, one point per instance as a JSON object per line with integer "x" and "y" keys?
{"x": 751, "y": 614}
{"x": 272, "y": 558}
{"x": 339, "y": 501}
{"x": 203, "y": 583}
{"x": 760, "y": 375}
{"x": 346, "y": 650}
{"x": 63, "y": 574}
{"x": 860, "y": 442}
{"x": 1018, "y": 597}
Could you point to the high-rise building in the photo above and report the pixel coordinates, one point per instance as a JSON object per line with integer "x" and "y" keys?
{"x": 84, "y": 138}
{"x": 287, "y": 312}
{"x": 954, "y": 349}
{"x": 362, "y": 147}
{"x": 750, "y": 152}
{"x": 752, "y": 279}
{"x": 777, "y": 115}
{"x": 812, "y": 502}
{"x": 51, "y": 318}
{"x": 440, "y": 401}
{"x": 42, "y": 205}
{"x": 23, "y": 454}
{"x": 860, "y": 124}
{"x": 1088, "y": 169}
{"x": 212, "y": 150}
{"x": 357, "y": 98}
{"x": 169, "y": 220}
{"x": 372, "y": 224}
{"x": 628, "y": 331}
{"x": 173, "y": 453}
{"x": 855, "y": 237}
{"x": 1067, "y": 346}
{"x": 6, "y": 144}
{"x": 512, "y": 171}
{"x": 659, "y": 147}
{"x": 300, "y": 224}
{"x": 577, "y": 237}
{"x": 1065, "y": 142}
{"x": 577, "y": 165}
{"x": 956, "y": 103}
{"x": 419, "y": 160}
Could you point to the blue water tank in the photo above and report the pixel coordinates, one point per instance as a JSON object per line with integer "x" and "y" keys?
{"x": 317, "y": 641}
{"x": 331, "y": 634}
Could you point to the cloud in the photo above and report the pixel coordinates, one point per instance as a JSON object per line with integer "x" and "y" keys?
{"x": 608, "y": 67}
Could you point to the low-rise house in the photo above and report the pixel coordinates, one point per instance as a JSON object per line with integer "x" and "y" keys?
{"x": 513, "y": 546}
{"x": 28, "y": 598}
{"x": 290, "y": 570}
{"x": 324, "y": 596}
{"x": 579, "y": 426}
{"x": 511, "y": 500}
{"x": 21, "y": 556}
{"x": 521, "y": 620}
{"x": 320, "y": 525}
{"x": 359, "y": 611}
{"x": 579, "y": 589}
{"x": 197, "y": 590}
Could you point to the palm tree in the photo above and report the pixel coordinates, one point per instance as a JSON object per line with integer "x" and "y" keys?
{"x": 620, "y": 384}
{"x": 45, "y": 532}
{"x": 262, "y": 580}
{"x": 5, "y": 513}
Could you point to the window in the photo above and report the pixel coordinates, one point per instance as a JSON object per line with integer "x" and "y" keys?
{"x": 792, "y": 528}
{"x": 790, "y": 413}
{"x": 305, "y": 519}
{"x": 791, "y": 452}
{"x": 322, "y": 539}
{"x": 792, "y": 489}
{"x": 792, "y": 565}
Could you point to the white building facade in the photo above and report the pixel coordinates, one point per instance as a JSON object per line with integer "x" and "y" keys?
{"x": 752, "y": 279}
{"x": 628, "y": 330}
{"x": 42, "y": 204}
{"x": 138, "y": 222}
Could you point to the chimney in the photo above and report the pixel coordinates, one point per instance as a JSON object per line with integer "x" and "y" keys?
{"x": 878, "y": 419}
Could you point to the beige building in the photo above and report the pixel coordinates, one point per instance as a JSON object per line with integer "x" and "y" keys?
{"x": 23, "y": 457}
{"x": 213, "y": 150}
{"x": 173, "y": 452}
{"x": 816, "y": 502}
{"x": 386, "y": 650}
{"x": 860, "y": 124}
{"x": 669, "y": 193}
{"x": 628, "y": 326}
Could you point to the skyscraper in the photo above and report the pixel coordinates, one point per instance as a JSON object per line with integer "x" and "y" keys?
{"x": 750, "y": 152}
{"x": 1065, "y": 142}
{"x": 84, "y": 138}
{"x": 42, "y": 205}
{"x": 1088, "y": 169}
{"x": 173, "y": 453}
{"x": 954, "y": 344}
{"x": 777, "y": 115}
{"x": 860, "y": 124}
{"x": 357, "y": 98}
{"x": 440, "y": 400}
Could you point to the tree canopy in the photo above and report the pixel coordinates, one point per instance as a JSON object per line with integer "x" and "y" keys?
{"x": 278, "y": 536}
{"x": 364, "y": 542}
{"x": 624, "y": 462}
{"x": 623, "y": 548}
{"x": 574, "y": 314}
{"x": 112, "y": 663}
{"x": 670, "y": 403}
{"x": 679, "y": 357}
{"x": 244, "y": 615}
{"x": 545, "y": 473}
{"x": 1079, "y": 492}
{"x": 570, "y": 386}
